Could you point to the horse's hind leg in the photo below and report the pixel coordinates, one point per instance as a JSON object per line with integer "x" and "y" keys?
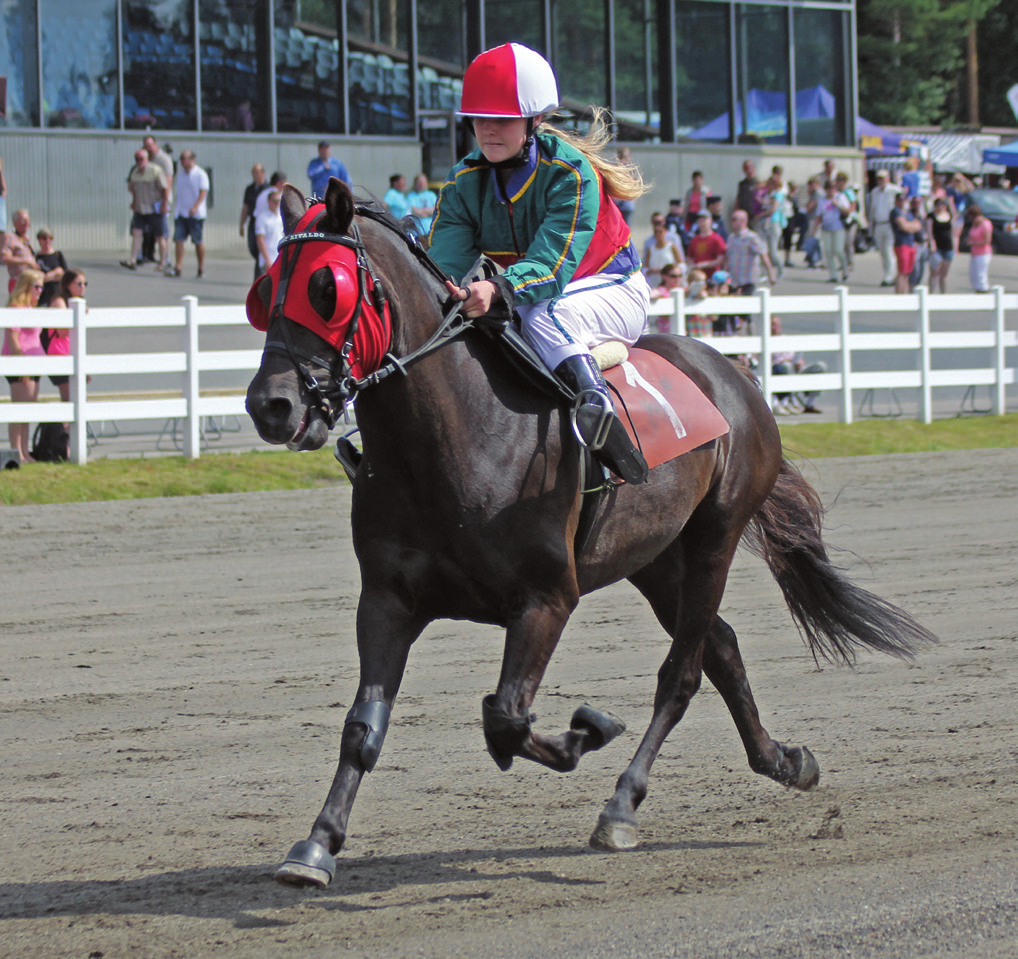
{"x": 722, "y": 662}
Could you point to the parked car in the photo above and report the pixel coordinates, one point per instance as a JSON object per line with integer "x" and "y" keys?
{"x": 1000, "y": 207}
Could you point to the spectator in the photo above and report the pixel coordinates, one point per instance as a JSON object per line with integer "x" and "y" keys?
{"x": 626, "y": 207}
{"x": 724, "y": 324}
{"x": 52, "y": 264}
{"x": 911, "y": 180}
{"x": 3, "y": 205}
{"x": 671, "y": 280}
{"x": 827, "y": 173}
{"x": 247, "y": 212}
{"x": 796, "y": 223}
{"x": 17, "y": 253}
{"x": 811, "y": 239}
{"x": 395, "y": 199}
{"x": 190, "y": 209}
{"x": 706, "y": 249}
{"x": 744, "y": 254}
{"x": 981, "y": 246}
{"x": 269, "y": 231}
{"x": 940, "y": 232}
{"x": 161, "y": 159}
{"x": 850, "y": 219}
{"x": 150, "y": 193}
{"x": 787, "y": 362}
{"x": 922, "y": 249}
{"x": 57, "y": 341}
{"x": 661, "y": 252}
{"x": 276, "y": 182}
{"x": 832, "y": 232}
{"x": 880, "y": 204}
{"x": 775, "y": 218}
{"x": 422, "y": 202}
{"x": 675, "y": 221}
{"x": 717, "y": 216}
{"x": 745, "y": 198}
{"x": 322, "y": 167}
{"x": 23, "y": 341}
{"x": 700, "y": 324}
{"x": 905, "y": 225}
{"x": 696, "y": 199}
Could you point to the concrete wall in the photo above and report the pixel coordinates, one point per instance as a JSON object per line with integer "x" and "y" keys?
{"x": 75, "y": 183}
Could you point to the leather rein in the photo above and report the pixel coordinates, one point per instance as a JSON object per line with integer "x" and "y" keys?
{"x": 332, "y": 400}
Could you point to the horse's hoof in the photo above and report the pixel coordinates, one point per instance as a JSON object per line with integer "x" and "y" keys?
{"x": 308, "y": 864}
{"x": 614, "y": 835}
{"x": 805, "y": 768}
{"x": 601, "y": 726}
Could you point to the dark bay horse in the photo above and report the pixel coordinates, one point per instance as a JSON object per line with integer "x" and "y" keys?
{"x": 467, "y": 501}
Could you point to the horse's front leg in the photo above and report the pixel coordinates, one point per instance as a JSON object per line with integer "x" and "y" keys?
{"x": 530, "y": 640}
{"x": 385, "y": 632}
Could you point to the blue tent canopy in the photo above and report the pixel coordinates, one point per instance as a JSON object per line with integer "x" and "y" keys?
{"x": 1004, "y": 156}
{"x": 876, "y": 141}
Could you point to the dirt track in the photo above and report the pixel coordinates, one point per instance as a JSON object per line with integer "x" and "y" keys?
{"x": 176, "y": 672}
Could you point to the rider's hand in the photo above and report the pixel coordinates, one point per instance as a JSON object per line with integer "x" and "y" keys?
{"x": 477, "y": 297}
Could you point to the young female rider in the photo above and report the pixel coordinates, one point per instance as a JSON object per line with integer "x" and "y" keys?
{"x": 540, "y": 203}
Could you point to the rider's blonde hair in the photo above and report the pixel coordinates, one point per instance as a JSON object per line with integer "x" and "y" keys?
{"x": 623, "y": 180}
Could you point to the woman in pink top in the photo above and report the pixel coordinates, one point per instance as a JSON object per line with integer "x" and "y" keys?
{"x": 981, "y": 246}
{"x": 23, "y": 341}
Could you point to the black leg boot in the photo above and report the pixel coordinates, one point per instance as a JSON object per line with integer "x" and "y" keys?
{"x": 595, "y": 422}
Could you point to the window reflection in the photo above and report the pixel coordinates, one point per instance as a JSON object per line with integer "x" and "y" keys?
{"x": 79, "y": 63}
{"x": 231, "y": 89}
{"x": 821, "y": 98}
{"x": 515, "y": 21}
{"x": 17, "y": 49}
{"x": 579, "y": 56}
{"x": 703, "y": 73}
{"x": 761, "y": 39}
{"x": 159, "y": 74}
{"x": 307, "y": 69}
{"x": 635, "y": 65}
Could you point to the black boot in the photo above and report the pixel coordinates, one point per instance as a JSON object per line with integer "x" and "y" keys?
{"x": 595, "y": 422}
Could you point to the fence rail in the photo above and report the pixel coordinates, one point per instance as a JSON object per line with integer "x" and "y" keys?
{"x": 192, "y": 406}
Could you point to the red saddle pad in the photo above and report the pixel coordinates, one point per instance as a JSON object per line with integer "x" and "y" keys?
{"x": 670, "y": 414}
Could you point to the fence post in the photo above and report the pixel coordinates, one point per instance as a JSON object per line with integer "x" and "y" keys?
{"x": 79, "y": 383}
{"x": 844, "y": 328}
{"x": 192, "y": 422}
{"x": 999, "y": 403}
{"x": 925, "y": 366}
{"x": 765, "y": 365}
{"x": 679, "y": 305}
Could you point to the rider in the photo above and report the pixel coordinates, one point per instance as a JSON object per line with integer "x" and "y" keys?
{"x": 538, "y": 202}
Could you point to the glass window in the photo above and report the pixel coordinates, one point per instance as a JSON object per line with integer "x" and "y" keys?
{"x": 821, "y": 99}
{"x": 635, "y": 66}
{"x": 761, "y": 42}
{"x": 440, "y": 35}
{"x": 234, "y": 94}
{"x": 703, "y": 73}
{"x": 515, "y": 21}
{"x": 17, "y": 51}
{"x": 79, "y": 63}
{"x": 159, "y": 73}
{"x": 579, "y": 56}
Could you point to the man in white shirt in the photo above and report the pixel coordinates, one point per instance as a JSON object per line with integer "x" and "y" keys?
{"x": 191, "y": 188}
{"x": 879, "y": 204}
{"x": 269, "y": 231}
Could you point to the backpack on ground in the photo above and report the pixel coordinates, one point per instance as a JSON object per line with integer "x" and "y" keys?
{"x": 49, "y": 443}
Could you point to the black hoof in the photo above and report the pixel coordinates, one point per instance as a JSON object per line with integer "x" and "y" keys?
{"x": 307, "y": 864}
{"x": 601, "y": 727}
{"x": 805, "y": 772}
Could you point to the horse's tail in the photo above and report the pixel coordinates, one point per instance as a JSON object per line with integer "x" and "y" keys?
{"x": 836, "y": 617}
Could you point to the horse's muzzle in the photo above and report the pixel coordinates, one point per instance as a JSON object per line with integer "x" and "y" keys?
{"x": 281, "y": 415}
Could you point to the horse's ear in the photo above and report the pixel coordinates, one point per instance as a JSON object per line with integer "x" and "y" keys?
{"x": 338, "y": 207}
{"x": 293, "y": 207}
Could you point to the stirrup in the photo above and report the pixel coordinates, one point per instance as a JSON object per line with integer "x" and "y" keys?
{"x": 600, "y": 406}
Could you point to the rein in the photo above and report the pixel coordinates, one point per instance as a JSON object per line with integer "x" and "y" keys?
{"x": 345, "y": 386}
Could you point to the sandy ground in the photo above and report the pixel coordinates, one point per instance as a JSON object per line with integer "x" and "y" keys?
{"x": 175, "y": 674}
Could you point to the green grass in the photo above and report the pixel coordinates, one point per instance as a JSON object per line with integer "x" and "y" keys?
{"x": 114, "y": 479}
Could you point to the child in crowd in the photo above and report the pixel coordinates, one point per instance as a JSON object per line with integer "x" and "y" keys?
{"x": 700, "y": 324}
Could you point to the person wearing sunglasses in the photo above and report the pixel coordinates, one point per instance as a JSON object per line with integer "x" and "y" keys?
{"x": 57, "y": 341}
{"x": 23, "y": 341}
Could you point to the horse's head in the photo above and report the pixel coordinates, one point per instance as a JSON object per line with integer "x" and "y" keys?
{"x": 325, "y": 318}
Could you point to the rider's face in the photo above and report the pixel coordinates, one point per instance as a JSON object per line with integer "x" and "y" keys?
{"x": 500, "y": 138}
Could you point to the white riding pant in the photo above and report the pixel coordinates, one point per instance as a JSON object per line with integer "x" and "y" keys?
{"x": 588, "y": 312}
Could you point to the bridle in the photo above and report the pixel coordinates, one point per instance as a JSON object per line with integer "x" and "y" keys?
{"x": 333, "y": 398}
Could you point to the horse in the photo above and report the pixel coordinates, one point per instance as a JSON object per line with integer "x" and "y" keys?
{"x": 467, "y": 504}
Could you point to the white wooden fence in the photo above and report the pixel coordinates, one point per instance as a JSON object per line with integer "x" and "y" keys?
{"x": 192, "y": 406}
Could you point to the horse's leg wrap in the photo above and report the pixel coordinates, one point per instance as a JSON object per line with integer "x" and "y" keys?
{"x": 373, "y": 715}
{"x": 503, "y": 733}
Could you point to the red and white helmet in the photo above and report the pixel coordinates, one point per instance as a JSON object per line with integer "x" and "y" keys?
{"x": 508, "y": 81}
